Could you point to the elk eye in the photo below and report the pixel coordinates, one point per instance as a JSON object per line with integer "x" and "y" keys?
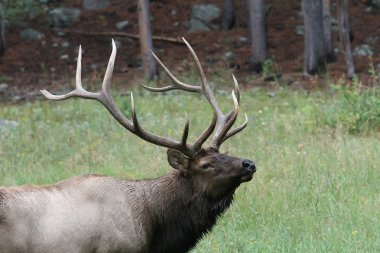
{"x": 206, "y": 166}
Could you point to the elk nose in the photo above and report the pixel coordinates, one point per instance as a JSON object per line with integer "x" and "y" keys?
{"x": 248, "y": 164}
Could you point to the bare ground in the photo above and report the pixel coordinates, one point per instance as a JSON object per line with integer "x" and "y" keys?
{"x": 28, "y": 66}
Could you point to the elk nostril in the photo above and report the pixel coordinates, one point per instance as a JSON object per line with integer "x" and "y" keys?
{"x": 248, "y": 164}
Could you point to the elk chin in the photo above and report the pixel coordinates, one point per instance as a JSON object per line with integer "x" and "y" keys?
{"x": 246, "y": 178}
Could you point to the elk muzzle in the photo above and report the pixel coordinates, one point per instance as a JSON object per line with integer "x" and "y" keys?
{"x": 249, "y": 169}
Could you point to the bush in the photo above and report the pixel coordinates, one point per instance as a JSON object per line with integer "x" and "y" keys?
{"x": 355, "y": 108}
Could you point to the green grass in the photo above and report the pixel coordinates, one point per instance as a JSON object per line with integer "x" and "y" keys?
{"x": 317, "y": 188}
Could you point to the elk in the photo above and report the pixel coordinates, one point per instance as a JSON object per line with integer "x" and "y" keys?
{"x": 96, "y": 213}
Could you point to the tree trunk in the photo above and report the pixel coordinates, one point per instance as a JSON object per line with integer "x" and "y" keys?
{"x": 146, "y": 42}
{"x": 2, "y": 30}
{"x": 315, "y": 52}
{"x": 344, "y": 34}
{"x": 330, "y": 55}
{"x": 257, "y": 33}
{"x": 228, "y": 15}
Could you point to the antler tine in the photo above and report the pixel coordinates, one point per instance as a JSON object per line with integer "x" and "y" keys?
{"x": 226, "y": 123}
{"x": 109, "y": 70}
{"x": 242, "y": 126}
{"x": 236, "y": 130}
{"x": 205, "y": 87}
{"x": 161, "y": 89}
{"x": 185, "y": 132}
{"x": 237, "y": 90}
{"x": 237, "y": 94}
{"x": 78, "y": 76}
{"x": 176, "y": 83}
{"x": 78, "y": 91}
{"x": 134, "y": 116}
{"x": 198, "y": 144}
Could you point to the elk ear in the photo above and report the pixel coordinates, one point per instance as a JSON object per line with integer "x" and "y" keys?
{"x": 177, "y": 160}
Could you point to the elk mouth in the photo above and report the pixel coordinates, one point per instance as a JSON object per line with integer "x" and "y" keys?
{"x": 247, "y": 176}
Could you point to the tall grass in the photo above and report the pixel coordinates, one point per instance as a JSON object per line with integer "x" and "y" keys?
{"x": 317, "y": 188}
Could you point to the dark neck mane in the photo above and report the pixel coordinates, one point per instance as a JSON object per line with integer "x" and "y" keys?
{"x": 186, "y": 216}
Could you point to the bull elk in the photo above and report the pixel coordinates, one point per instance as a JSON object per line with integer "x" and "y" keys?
{"x": 94, "y": 213}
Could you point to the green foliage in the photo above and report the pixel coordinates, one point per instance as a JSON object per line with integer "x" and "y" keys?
{"x": 355, "y": 108}
{"x": 267, "y": 68}
{"x": 16, "y": 10}
{"x": 374, "y": 74}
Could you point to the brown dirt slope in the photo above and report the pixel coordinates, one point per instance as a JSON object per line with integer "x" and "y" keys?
{"x": 30, "y": 65}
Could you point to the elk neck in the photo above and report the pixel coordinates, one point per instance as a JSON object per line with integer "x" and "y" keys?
{"x": 180, "y": 213}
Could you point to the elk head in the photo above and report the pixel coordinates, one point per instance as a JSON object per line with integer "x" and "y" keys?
{"x": 214, "y": 173}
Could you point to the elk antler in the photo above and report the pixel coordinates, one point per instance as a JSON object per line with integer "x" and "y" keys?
{"x": 223, "y": 122}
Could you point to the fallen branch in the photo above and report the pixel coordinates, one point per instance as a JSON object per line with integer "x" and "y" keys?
{"x": 122, "y": 34}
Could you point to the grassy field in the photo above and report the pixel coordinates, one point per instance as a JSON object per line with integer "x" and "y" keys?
{"x": 317, "y": 188}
